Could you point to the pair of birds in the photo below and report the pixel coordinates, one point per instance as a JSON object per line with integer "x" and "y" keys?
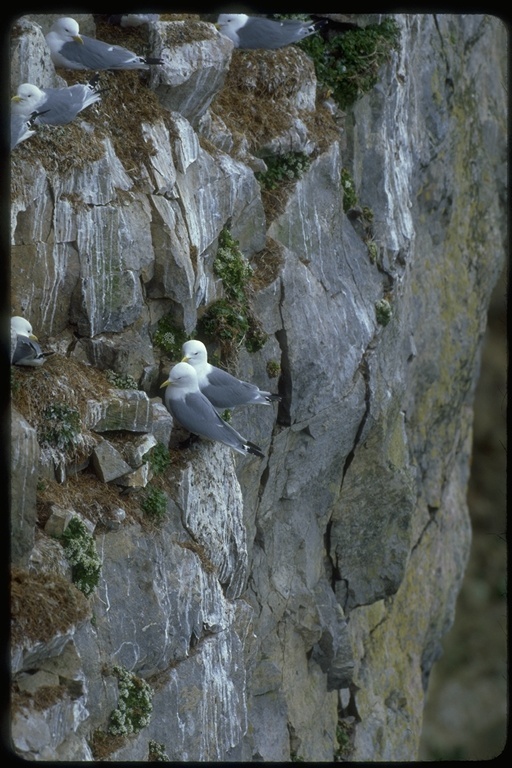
{"x": 33, "y": 106}
{"x": 196, "y": 390}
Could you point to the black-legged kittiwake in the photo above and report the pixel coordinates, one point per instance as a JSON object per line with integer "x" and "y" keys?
{"x": 59, "y": 105}
{"x": 258, "y": 32}
{"x": 71, "y": 50}
{"x": 194, "y": 412}
{"x": 27, "y": 351}
{"x": 221, "y": 388}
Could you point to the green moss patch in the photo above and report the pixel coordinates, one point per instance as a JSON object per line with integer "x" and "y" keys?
{"x": 348, "y": 65}
{"x": 231, "y": 320}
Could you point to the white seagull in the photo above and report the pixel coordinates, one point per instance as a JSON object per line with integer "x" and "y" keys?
{"x": 27, "y": 351}
{"x": 221, "y": 388}
{"x": 258, "y": 32}
{"x": 71, "y": 50}
{"x": 194, "y": 412}
{"x": 59, "y": 105}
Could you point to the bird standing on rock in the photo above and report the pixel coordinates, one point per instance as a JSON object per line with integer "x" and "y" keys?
{"x": 258, "y": 32}
{"x": 193, "y": 410}
{"x": 27, "y": 351}
{"x": 58, "y": 106}
{"x": 71, "y": 50}
{"x": 221, "y": 388}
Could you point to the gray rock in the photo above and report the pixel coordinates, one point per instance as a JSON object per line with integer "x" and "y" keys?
{"x": 126, "y": 409}
{"x": 137, "y": 449}
{"x": 196, "y": 58}
{"x": 138, "y": 478}
{"x": 24, "y": 476}
{"x": 162, "y": 423}
{"x": 108, "y": 462}
{"x": 270, "y": 585}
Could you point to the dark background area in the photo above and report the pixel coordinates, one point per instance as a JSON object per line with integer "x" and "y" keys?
{"x": 466, "y": 716}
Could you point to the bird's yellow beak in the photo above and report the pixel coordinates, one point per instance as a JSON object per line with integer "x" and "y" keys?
{"x": 217, "y": 25}
{"x": 78, "y": 39}
{"x": 165, "y": 384}
{"x": 34, "y": 338}
{"x": 16, "y": 98}
{"x": 185, "y": 359}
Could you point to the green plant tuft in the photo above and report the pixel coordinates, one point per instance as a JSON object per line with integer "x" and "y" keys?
{"x": 81, "y": 553}
{"x": 273, "y": 369}
{"x": 231, "y": 266}
{"x": 348, "y": 64}
{"x": 169, "y": 338}
{"x": 224, "y": 321}
{"x": 121, "y": 380}
{"x": 283, "y": 168}
{"x": 135, "y": 704}
{"x": 61, "y": 426}
{"x": 231, "y": 320}
{"x": 154, "y": 503}
{"x": 349, "y": 190}
{"x": 158, "y": 458}
{"x": 383, "y": 311}
{"x": 157, "y": 753}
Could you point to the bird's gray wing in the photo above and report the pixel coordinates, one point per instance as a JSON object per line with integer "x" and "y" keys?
{"x": 195, "y": 413}
{"x": 225, "y": 391}
{"x": 265, "y": 33}
{"x": 95, "y": 54}
{"x": 27, "y": 352}
{"x": 63, "y": 104}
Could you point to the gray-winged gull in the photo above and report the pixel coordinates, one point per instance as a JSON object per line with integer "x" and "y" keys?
{"x": 27, "y": 351}
{"x": 193, "y": 410}
{"x": 71, "y": 50}
{"x": 258, "y": 32}
{"x": 22, "y": 127}
{"x": 221, "y": 388}
{"x": 60, "y": 105}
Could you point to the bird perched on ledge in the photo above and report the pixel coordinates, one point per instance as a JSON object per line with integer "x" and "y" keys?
{"x": 258, "y": 32}
{"x": 221, "y": 388}
{"x": 194, "y": 412}
{"x": 71, "y": 50}
{"x": 57, "y": 106}
{"x": 27, "y": 351}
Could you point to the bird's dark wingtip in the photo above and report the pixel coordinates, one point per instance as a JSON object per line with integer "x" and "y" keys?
{"x": 252, "y": 448}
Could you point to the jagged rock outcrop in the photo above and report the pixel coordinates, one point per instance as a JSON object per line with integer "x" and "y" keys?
{"x": 291, "y": 606}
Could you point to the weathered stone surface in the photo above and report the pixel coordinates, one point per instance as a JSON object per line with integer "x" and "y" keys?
{"x": 161, "y": 422}
{"x": 24, "y": 473}
{"x": 108, "y": 462}
{"x": 126, "y": 409}
{"x": 196, "y": 57}
{"x": 332, "y": 564}
{"x": 136, "y": 450}
{"x": 210, "y": 502}
{"x": 128, "y": 353}
{"x": 138, "y": 478}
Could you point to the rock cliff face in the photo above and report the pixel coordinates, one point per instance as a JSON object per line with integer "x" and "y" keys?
{"x": 290, "y": 607}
